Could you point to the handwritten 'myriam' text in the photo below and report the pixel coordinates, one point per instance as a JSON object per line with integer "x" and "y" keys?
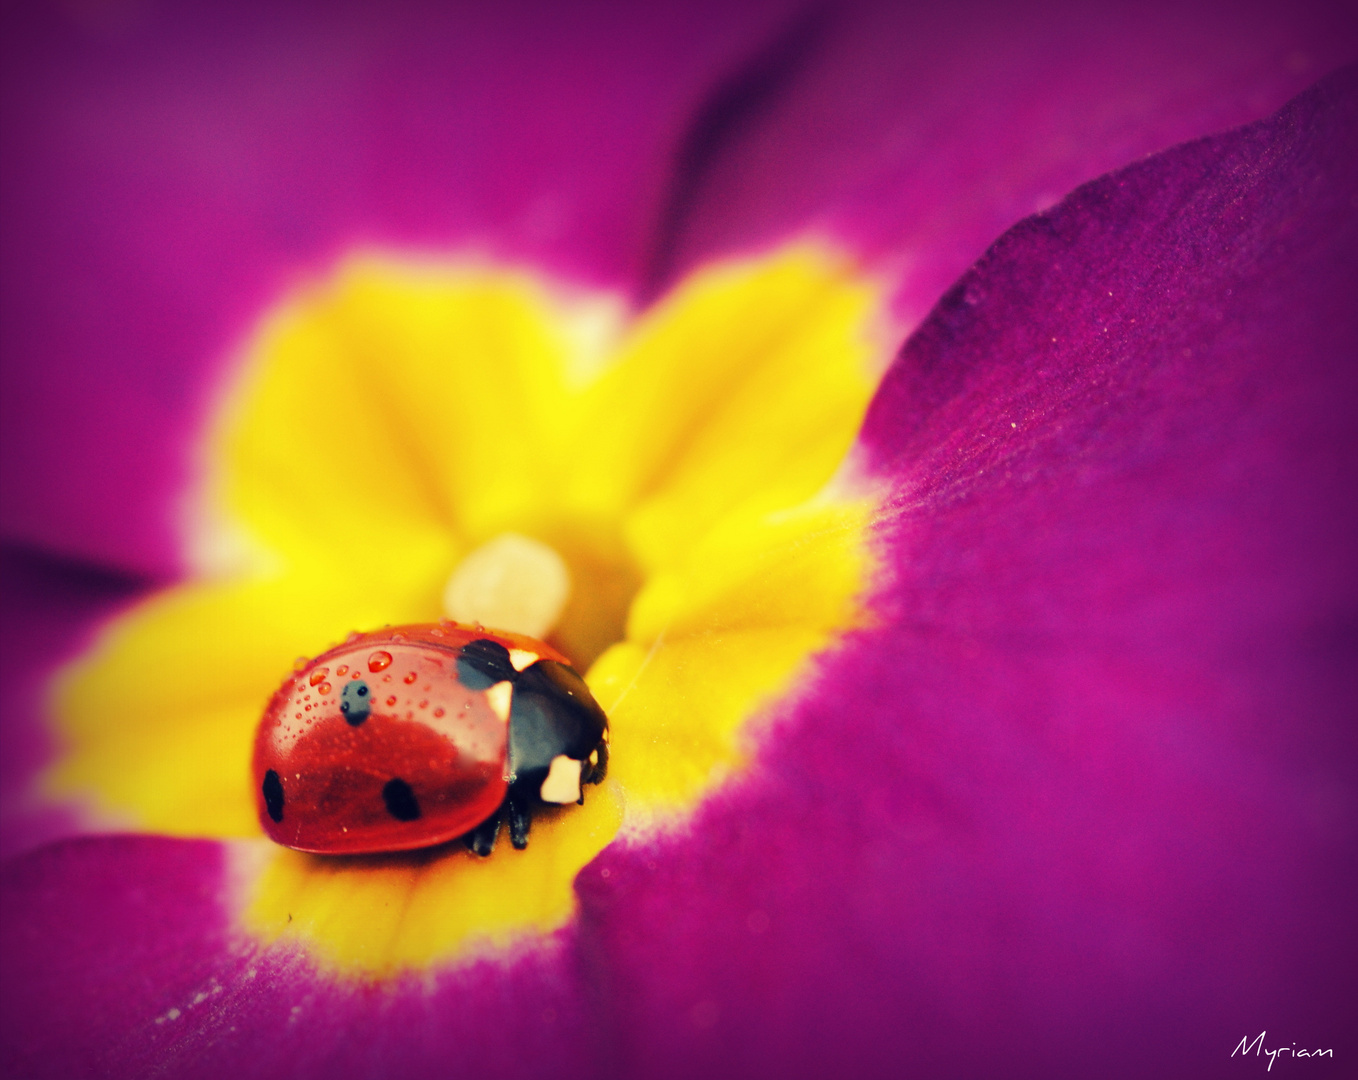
{"x": 1257, "y": 1046}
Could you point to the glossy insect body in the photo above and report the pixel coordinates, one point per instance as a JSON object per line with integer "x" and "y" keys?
{"x": 415, "y": 735}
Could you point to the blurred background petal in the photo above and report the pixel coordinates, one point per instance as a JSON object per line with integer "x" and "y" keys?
{"x": 180, "y": 166}
{"x": 175, "y": 168}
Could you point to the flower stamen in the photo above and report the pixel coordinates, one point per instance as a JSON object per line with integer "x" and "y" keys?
{"x": 510, "y": 583}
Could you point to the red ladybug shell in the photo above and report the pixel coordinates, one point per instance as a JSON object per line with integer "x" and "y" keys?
{"x": 424, "y": 763}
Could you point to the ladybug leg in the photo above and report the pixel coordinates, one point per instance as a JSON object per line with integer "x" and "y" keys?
{"x": 520, "y": 819}
{"x": 482, "y": 838}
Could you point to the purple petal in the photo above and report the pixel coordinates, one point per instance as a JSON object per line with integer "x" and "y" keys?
{"x": 74, "y": 991}
{"x": 177, "y": 170}
{"x": 918, "y": 134}
{"x": 152, "y": 981}
{"x": 121, "y": 962}
{"x": 1087, "y": 805}
{"x": 49, "y": 607}
{"x": 1084, "y": 806}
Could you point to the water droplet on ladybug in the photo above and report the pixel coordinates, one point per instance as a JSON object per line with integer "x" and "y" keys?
{"x": 410, "y": 678}
{"x": 438, "y": 711}
{"x": 391, "y": 700}
{"x": 341, "y": 671}
{"x": 424, "y": 704}
{"x": 379, "y": 661}
{"x": 324, "y": 688}
{"x": 319, "y": 675}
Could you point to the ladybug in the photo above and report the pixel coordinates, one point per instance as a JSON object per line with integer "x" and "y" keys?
{"x": 415, "y": 735}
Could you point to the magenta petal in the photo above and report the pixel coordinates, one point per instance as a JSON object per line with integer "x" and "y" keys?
{"x": 172, "y": 171}
{"x": 49, "y": 607}
{"x": 101, "y": 937}
{"x": 120, "y": 961}
{"x": 1086, "y": 805}
{"x": 919, "y": 132}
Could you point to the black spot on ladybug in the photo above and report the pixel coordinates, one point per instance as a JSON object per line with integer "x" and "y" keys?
{"x": 483, "y": 663}
{"x": 356, "y": 702}
{"x": 400, "y": 800}
{"x": 273, "y": 795}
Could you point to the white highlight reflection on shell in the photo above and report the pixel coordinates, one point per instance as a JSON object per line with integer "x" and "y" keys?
{"x": 500, "y": 697}
{"x": 563, "y": 781}
{"x": 523, "y": 658}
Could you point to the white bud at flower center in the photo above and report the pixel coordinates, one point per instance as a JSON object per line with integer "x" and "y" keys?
{"x": 509, "y": 583}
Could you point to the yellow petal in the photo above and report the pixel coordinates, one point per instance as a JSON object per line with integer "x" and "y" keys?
{"x": 395, "y": 403}
{"x": 720, "y": 638}
{"x": 801, "y": 567}
{"x": 377, "y": 915}
{"x": 750, "y": 381}
{"x": 158, "y": 719}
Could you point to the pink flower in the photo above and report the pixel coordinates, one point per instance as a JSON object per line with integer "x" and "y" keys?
{"x": 1078, "y": 801}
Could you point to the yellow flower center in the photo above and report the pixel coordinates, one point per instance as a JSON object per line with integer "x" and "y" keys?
{"x": 659, "y": 495}
{"x": 512, "y": 583}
